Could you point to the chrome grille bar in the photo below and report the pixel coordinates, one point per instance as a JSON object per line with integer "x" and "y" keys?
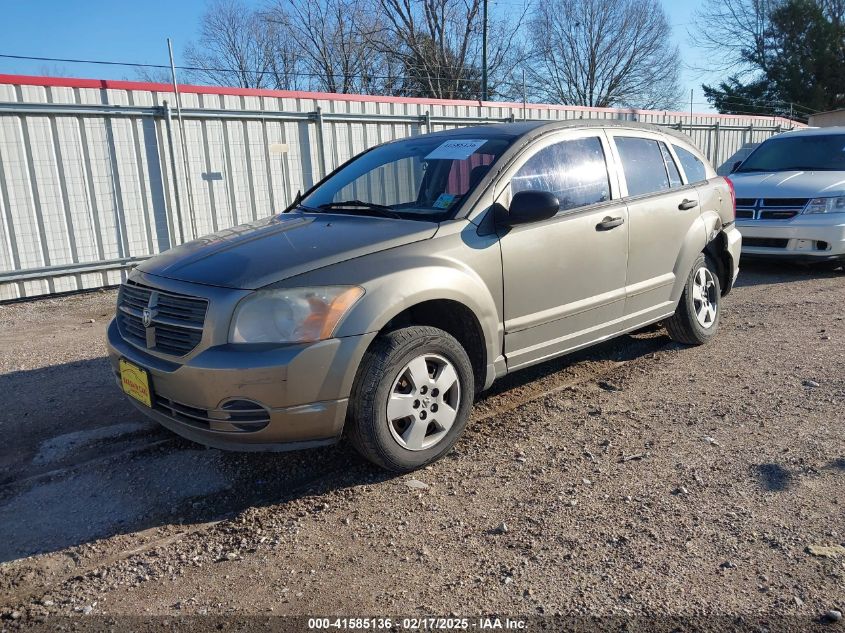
{"x": 775, "y": 209}
{"x": 175, "y": 323}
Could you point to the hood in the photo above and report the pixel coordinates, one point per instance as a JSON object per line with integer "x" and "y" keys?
{"x": 254, "y": 255}
{"x": 789, "y": 184}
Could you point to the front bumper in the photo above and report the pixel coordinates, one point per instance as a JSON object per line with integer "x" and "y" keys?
{"x": 805, "y": 237}
{"x": 297, "y": 394}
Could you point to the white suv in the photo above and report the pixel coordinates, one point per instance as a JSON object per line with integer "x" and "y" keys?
{"x": 791, "y": 197}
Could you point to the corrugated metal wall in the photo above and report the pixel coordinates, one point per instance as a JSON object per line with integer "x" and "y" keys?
{"x": 87, "y": 184}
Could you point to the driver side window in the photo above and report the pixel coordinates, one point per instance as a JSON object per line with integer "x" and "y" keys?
{"x": 574, "y": 170}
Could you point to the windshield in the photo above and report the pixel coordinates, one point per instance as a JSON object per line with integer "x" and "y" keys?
{"x": 420, "y": 178}
{"x": 805, "y": 153}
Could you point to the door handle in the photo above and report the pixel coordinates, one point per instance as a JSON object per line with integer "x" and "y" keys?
{"x": 609, "y": 223}
{"x": 687, "y": 204}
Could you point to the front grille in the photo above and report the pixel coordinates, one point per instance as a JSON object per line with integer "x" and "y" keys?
{"x": 176, "y": 320}
{"x": 235, "y": 415}
{"x": 778, "y": 215}
{"x": 769, "y": 208}
{"x": 786, "y": 202}
{"x": 765, "y": 242}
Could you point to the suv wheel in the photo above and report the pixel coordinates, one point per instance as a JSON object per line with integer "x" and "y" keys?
{"x": 697, "y": 318}
{"x": 411, "y": 399}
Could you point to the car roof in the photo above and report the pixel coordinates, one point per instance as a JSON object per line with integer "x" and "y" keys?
{"x": 531, "y": 129}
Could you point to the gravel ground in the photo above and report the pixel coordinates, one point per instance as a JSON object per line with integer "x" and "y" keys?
{"x": 638, "y": 478}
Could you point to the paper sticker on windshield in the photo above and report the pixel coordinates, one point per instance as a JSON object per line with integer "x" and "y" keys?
{"x": 444, "y": 201}
{"x": 456, "y": 149}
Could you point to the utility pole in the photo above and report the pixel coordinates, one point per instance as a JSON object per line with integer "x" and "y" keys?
{"x": 690, "y": 106}
{"x": 184, "y": 142}
{"x": 484, "y": 94}
{"x": 524, "y": 97}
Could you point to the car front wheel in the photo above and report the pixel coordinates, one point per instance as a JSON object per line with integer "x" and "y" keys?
{"x": 696, "y": 319}
{"x": 411, "y": 399}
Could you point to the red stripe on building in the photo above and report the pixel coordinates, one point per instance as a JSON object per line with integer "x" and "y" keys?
{"x": 114, "y": 84}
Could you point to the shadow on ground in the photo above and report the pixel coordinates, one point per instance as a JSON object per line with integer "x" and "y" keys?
{"x": 776, "y": 478}
{"x": 754, "y": 272}
{"x": 773, "y": 477}
{"x": 81, "y": 463}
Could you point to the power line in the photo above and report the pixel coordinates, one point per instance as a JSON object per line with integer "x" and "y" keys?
{"x": 742, "y": 104}
{"x": 81, "y": 61}
{"x": 234, "y": 70}
{"x": 741, "y": 101}
{"x": 311, "y": 75}
{"x": 753, "y": 101}
{"x": 463, "y": 68}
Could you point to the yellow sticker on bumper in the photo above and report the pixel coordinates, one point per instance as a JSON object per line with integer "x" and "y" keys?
{"x": 136, "y": 382}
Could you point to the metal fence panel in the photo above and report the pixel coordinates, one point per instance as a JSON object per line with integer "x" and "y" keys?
{"x": 94, "y": 175}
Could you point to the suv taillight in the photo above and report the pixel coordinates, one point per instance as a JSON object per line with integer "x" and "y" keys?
{"x": 733, "y": 196}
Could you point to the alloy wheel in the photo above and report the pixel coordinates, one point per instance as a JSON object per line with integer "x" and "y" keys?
{"x": 423, "y": 402}
{"x": 704, "y": 297}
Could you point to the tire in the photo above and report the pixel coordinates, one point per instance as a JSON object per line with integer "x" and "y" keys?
{"x": 696, "y": 321}
{"x": 399, "y": 417}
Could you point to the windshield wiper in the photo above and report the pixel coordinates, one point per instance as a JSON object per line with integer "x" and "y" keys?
{"x": 353, "y": 205}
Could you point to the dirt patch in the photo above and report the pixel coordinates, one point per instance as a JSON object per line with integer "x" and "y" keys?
{"x": 637, "y": 478}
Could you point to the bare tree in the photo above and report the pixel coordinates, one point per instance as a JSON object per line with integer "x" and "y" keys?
{"x": 403, "y": 47}
{"x": 336, "y": 39}
{"x": 740, "y": 36}
{"x": 285, "y": 58}
{"x": 235, "y": 48}
{"x": 153, "y": 75}
{"x": 438, "y": 43}
{"x": 603, "y": 53}
{"x": 835, "y": 10}
{"x": 54, "y": 70}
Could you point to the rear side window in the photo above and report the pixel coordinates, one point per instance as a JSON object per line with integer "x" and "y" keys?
{"x": 693, "y": 167}
{"x": 671, "y": 167}
{"x": 575, "y": 171}
{"x": 642, "y": 162}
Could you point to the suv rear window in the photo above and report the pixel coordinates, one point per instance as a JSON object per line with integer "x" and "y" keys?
{"x": 693, "y": 167}
{"x": 642, "y": 162}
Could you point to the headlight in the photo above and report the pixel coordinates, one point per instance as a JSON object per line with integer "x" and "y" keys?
{"x": 826, "y": 205}
{"x": 292, "y": 315}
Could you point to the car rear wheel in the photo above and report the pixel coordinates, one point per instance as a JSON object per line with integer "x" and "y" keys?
{"x": 696, "y": 319}
{"x": 411, "y": 399}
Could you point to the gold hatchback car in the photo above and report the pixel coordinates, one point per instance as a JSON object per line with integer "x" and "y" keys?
{"x": 413, "y": 276}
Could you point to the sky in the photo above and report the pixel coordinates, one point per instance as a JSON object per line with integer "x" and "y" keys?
{"x": 137, "y": 31}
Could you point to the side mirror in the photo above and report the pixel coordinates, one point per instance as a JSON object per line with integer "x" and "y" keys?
{"x": 531, "y": 206}
{"x": 735, "y": 166}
